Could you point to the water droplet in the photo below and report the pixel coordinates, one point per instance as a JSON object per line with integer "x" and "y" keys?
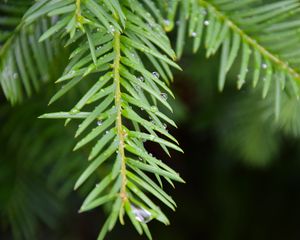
{"x": 264, "y": 66}
{"x": 164, "y": 96}
{"x": 74, "y": 111}
{"x": 167, "y": 22}
{"x": 112, "y": 29}
{"x": 99, "y": 47}
{"x": 99, "y": 122}
{"x": 141, "y": 214}
{"x": 106, "y": 132}
{"x": 165, "y": 126}
{"x": 194, "y": 34}
{"x": 206, "y": 22}
{"x": 140, "y": 159}
{"x": 15, "y": 75}
{"x": 141, "y": 78}
{"x": 155, "y": 74}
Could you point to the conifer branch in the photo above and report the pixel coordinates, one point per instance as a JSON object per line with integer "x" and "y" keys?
{"x": 250, "y": 40}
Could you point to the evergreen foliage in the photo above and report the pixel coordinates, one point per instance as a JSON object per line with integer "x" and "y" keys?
{"x": 121, "y": 53}
{"x": 34, "y": 185}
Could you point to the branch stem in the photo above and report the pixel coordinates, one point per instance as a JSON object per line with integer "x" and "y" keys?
{"x": 118, "y": 102}
{"x": 78, "y": 10}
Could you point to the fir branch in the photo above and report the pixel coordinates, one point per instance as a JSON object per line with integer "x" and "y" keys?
{"x": 110, "y": 46}
{"x": 244, "y": 31}
{"x": 21, "y": 52}
{"x": 250, "y": 40}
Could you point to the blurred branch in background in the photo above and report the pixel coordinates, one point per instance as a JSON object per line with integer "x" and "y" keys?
{"x": 37, "y": 170}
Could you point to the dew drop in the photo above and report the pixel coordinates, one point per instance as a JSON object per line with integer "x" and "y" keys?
{"x": 74, "y": 111}
{"x": 15, "y": 75}
{"x": 206, "y": 22}
{"x": 99, "y": 122}
{"x": 264, "y": 66}
{"x": 165, "y": 126}
{"x": 142, "y": 215}
{"x": 164, "y": 96}
{"x": 155, "y": 74}
{"x": 112, "y": 29}
{"x": 141, "y": 78}
{"x": 167, "y": 22}
{"x": 194, "y": 34}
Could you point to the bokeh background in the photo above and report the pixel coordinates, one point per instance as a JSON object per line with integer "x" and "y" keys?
{"x": 241, "y": 165}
